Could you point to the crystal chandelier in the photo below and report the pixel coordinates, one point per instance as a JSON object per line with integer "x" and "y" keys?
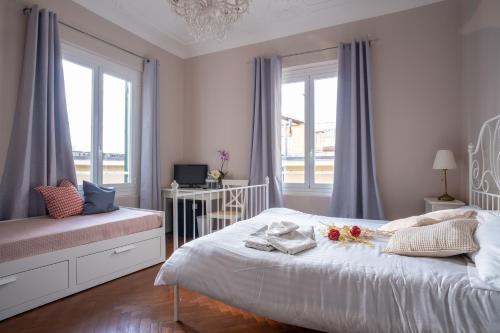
{"x": 210, "y": 18}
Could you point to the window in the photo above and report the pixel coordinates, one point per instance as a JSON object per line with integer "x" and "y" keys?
{"x": 308, "y": 114}
{"x": 102, "y": 103}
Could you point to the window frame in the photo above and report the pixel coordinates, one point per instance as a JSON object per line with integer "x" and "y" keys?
{"x": 308, "y": 74}
{"x": 100, "y": 66}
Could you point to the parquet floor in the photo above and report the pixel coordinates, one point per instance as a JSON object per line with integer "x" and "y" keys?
{"x": 131, "y": 304}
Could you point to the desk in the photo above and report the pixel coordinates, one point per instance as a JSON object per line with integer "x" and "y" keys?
{"x": 167, "y": 196}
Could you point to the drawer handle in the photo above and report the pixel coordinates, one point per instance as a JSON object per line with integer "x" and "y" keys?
{"x": 124, "y": 249}
{"x": 8, "y": 280}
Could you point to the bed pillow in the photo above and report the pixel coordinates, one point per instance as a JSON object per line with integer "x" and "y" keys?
{"x": 98, "y": 199}
{"x": 487, "y": 258}
{"x": 427, "y": 219}
{"x": 443, "y": 239}
{"x": 61, "y": 201}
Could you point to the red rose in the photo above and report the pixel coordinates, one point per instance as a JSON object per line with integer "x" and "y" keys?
{"x": 355, "y": 231}
{"x": 333, "y": 234}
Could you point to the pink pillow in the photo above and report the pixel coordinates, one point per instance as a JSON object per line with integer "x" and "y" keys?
{"x": 61, "y": 201}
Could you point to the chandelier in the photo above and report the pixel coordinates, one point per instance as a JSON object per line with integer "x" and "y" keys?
{"x": 210, "y": 19}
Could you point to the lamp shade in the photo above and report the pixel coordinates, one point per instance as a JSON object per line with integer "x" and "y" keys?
{"x": 444, "y": 160}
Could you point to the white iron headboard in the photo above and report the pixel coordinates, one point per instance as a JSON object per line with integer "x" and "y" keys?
{"x": 484, "y": 167}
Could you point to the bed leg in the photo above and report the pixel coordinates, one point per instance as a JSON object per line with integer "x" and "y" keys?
{"x": 176, "y": 303}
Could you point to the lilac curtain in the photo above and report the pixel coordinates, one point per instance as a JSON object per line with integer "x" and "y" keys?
{"x": 265, "y": 158}
{"x": 355, "y": 190}
{"x": 40, "y": 144}
{"x": 150, "y": 192}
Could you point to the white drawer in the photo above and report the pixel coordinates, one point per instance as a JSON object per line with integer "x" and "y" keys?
{"x": 99, "y": 264}
{"x": 29, "y": 285}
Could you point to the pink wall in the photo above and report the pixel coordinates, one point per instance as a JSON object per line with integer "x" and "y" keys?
{"x": 206, "y": 102}
{"x": 416, "y": 72}
{"x": 480, "y": 98}
{"x": 12, "y": 27}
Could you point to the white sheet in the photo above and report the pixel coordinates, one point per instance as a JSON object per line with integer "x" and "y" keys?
{"x": 333, "y": 288}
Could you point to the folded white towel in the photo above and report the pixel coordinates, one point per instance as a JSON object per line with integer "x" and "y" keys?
{"x": 281, "y": 228}
{"x": 258, "y": 240}
{"x": 295, "y": 241}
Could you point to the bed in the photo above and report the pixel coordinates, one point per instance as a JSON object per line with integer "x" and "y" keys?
{"x": 353, "y": 288}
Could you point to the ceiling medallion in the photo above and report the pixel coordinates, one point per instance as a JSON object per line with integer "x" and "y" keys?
{"x": 210, "y": 19}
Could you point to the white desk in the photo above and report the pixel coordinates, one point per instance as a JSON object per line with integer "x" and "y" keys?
{"x": 167, "y": 196}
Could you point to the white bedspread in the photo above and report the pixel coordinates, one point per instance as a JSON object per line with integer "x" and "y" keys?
{"x": 331, "y": 287}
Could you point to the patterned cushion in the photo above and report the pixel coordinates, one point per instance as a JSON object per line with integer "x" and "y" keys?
{"x": 427, "y": 219}
{"x": 444, "y": 239}
{"x": 61, "y": 201}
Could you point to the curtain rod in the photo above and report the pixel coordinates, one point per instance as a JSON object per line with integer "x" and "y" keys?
{"x": 319, "y": 50}
{"x": 310, "y": 51}
{"x": 315, "y": 50}
{"x": 27, "y": 11}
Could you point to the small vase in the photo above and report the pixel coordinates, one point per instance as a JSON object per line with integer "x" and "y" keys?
{"x": 212, "y": 184}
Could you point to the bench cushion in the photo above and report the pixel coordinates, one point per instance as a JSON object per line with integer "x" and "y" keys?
{"x": 38, "y": 235}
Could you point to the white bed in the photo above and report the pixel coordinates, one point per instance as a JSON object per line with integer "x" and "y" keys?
{"x": 353, "y": 288}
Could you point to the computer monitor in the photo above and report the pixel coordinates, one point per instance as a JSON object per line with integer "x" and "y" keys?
{"x": 190, "y": 175}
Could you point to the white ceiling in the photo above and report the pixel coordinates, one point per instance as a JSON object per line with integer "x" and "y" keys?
{"x": 154, "y": 20}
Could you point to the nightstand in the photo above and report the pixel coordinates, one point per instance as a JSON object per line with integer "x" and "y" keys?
{"x": 433, "y": 204}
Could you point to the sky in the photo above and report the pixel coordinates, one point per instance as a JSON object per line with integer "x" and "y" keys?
{"x": 78, "y": 85}
{"x": 325, "y": 96}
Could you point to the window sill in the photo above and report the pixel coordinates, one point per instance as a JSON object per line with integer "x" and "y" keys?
{"x": 324, "y": 192}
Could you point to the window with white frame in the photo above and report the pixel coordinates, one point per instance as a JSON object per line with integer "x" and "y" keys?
{"x": 308, "y": 115}
{"x": 102, "y": 101}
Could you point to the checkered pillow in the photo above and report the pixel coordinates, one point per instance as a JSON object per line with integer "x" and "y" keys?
{"x": 444, "y": 239}
{"x": 61, "y": 201}
{"x": 427, "y": 219}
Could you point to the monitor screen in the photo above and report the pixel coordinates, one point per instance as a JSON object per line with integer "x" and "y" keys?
{"x": 190, "y": 174}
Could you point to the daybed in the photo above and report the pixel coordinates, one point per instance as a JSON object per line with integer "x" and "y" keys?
{"x": 44, "y": 259}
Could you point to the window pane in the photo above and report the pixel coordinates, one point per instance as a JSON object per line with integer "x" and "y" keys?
{"x": 293, "y": 132}
{"x": 325, "y": 111}
{"x": 78, "y": 89}
{"x": 115, "y": 130}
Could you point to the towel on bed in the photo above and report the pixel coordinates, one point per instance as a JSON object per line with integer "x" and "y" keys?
{"x": 258, "y": 240}
{"x": 281, "y": 228}
{"x": 293, "y": 242}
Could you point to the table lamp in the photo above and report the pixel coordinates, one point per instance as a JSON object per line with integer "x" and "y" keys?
{"x": 445, "y": 161}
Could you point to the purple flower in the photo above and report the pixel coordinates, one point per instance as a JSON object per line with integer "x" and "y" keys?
{"x": 223, "y": 155}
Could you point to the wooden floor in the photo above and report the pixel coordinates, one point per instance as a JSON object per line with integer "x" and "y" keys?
{"x": 132, "y": 304}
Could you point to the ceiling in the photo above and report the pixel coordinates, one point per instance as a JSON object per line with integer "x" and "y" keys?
{"x": 154, "y": 20}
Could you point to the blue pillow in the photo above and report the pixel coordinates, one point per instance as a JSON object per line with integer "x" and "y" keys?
{"x": 98, "y": 199}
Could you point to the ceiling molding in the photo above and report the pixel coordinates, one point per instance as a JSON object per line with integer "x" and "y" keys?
{"x": 154, "y": 21}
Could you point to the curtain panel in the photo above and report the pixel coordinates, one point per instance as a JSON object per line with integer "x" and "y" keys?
{"x": 265, "y": 158}
{"x": 40, "y": 150}
{"x": 149, "y": 188}
{"x": 355, "y": 190}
